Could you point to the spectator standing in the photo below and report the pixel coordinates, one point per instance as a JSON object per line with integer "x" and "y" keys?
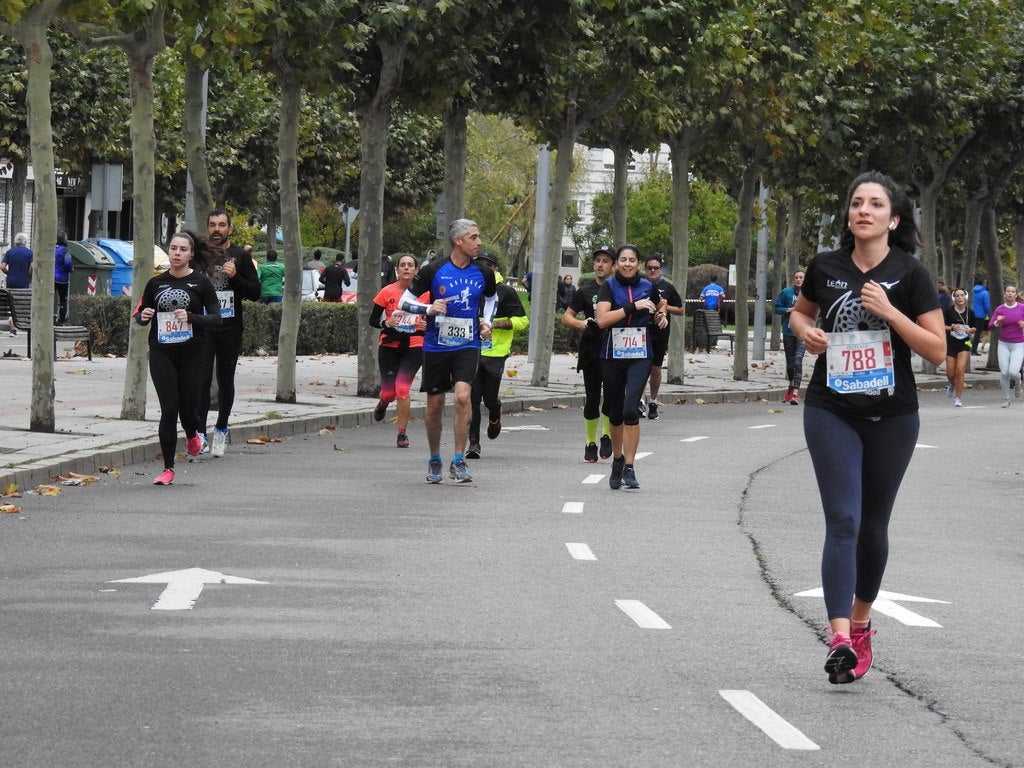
{"x": 581, "y": 316}
{"x": 509, "y": 318}
{"x": 335, "y": 279}
{"x": 17, "y": 264}
{"x": 179, "y": 306}
{"x": 400, "y": 349}
{"x": 627, "y": 304}
{"x": 713, "y": 294}
{"x": 566, "y": 291}
{"x": 959, "y": 319}
{"x": 317, "y": 262}
{"x": 527, "y": 282}
{"x": 654, "y": 271}
{"x": 62, "y": 269}
{"x": 981, "y": 303}
{"x": 1008, "y": 318}
{"x": 945, "y": 301}
{"x": 456, "y": 285}
{"x": 791, "y": 344}
{"x": 387, "y": 270}
{"x": 861, "y": 421}
{"x": 230, "y": 270}
{"x": 271, "y": 276}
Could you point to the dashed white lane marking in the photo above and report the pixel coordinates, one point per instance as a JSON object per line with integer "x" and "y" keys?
{"x": 525, "y": 428}
{"x": 572, "y": 507}
{"x": 580, "y": 551}
{"x": 762, "y": 426}
{"x": 922, "y": 445}
{"x": 694, "y": 439}
{"x": 593, "y": 479}
{"x": 761, "y": 715}
{"x": 643, "y": 455}
{"x": 642, "y": 615}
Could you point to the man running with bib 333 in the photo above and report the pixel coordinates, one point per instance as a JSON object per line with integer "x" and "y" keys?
{"x": 451, "y": 345}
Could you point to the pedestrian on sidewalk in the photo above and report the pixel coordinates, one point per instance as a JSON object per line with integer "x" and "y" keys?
{"x": 179, "y": 306}
{"x": 959, "y": 320}
{"x": 62, "y": 268}
{"x": 982, "y": 306}
{"x": 335, "y": 279}
{"x": 792, "y": 346}
{"x": 582, "y": 316}
{"x": 861, "y": 418}
{"x": 627, "y": 305}
{"x": 1008, "y": 321}
{"x": 271, "y": 277}
{"x": 17, "y": 264}
{"x": 230, "y": 270}
{"x": 400, "y": 348}
{"x": 456, "y": 286}
{"x": 509, "y": 318}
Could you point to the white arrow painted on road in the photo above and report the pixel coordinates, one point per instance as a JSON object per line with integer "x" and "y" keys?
{"x": 184, "y": 587}
{"x": 886, "y": 604}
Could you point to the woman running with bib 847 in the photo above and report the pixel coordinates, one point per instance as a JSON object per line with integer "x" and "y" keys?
{"x": 878, "y": 304}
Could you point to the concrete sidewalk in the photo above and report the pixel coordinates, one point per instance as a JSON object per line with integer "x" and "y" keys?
{"x": 90, "y": 433}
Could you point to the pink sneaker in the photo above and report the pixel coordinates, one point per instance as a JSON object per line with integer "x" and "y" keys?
{"x": 165, "y": 478}
{"x": 194, "y": 445}
{"x": 841, "y": 658}
{"x": 861, "y": 639}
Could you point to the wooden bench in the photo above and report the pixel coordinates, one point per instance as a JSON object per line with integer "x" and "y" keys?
{"x": 707, "y": 328}
{"x": 17, "y": 302}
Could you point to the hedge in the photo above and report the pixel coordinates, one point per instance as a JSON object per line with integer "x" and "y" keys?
{"x": 323, "y": 327}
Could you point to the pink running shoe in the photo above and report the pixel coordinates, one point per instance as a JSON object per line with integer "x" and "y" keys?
{"x": 861, "y": 639}
{"x": 841, "y": 659}
{"x": 165, "y": 478}
{"x": 194, "y": 445}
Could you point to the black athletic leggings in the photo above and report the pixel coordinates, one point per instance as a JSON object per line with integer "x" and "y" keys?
{"x": 624, "y": 382}
{"x": 485, "y": 388}
{"x": 222, "y": 349}
{"x": 177, "y": 375}
{"x": 592, "y": 406}
{"x": 859, "y": 464}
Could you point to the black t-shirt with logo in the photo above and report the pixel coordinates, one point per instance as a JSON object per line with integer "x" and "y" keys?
{"x": 834, "y": 283}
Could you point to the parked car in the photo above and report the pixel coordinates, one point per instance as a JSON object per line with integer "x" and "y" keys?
{"x": 313, "y": 289}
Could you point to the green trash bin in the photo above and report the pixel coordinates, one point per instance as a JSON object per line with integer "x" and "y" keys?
{"x": 91, "y": 276}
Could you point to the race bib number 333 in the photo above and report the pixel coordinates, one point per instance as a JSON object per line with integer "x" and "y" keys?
{"x": 860, "y": 362}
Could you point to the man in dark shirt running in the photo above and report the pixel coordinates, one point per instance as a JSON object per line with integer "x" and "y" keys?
{"x": 335, "y": 279}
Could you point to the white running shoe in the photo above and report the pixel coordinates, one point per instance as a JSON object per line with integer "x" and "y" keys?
{"x": 220, "y": 441}
{"x": 957, "y": 403}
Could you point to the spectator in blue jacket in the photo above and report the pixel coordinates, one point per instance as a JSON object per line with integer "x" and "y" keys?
{"x": 982, "y": 310}
{"x": 62, "y": 268}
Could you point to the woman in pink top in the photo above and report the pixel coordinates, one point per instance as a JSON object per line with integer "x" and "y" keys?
{"x": 1008, "y": 317}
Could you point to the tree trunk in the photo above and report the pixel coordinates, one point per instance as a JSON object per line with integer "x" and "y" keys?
{"x": 288, "y": 176}
{"x": 748, "y": 188}
{"x": 195, "y": 142}
{"x": 545, "y": 279}
{"x": 948, "y": 273}
{"x": 141, "y": 54}
{"x": 972, "y": 236}
{"x": 781, "y": 273}
{"x": 1018, "y": 247}
{"x": 19, "y": 183}
{"x": 620, "y": 189}
{"x": 31, "y": 31}
{"x": 455, "y": 161}
{"x": 680, "y": 159}
{"x": 994, "y": 267}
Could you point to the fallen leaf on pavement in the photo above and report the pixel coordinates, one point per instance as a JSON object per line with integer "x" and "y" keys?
{"x": 324, "y": 431}
{"x": 317, "y": 384}
{"x": 330, "y": 427}
{"x": 560, "y": 406}
{"x": 535, "y": 409}
{"x": 10, "y": 508}
{"x": 261, "y": 440}
{"x": 110, "y": 471}
{"x": 11, "y": 492}
{"x": 47, "y": 490}
{"x": 511, "y": 373}
{"x": 700, "y": 401}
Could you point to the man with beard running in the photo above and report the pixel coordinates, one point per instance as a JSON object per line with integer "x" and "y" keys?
{"x": 233, "y": 276}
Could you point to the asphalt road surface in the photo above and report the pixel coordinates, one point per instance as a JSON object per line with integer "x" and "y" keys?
{"x": 531, "y": 618}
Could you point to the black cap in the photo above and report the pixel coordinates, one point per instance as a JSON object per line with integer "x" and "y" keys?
{"x": 604, "y": 249}
{"x": 488, "y": 256}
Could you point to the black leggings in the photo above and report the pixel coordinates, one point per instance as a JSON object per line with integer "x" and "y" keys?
{"x": 624, "y": 382}
{"x": 61, "y": 290}
{"x": 592, "y": 406}
{"x": 177, "y": 375}
{"x": 222, "y": 349}
{"x": 859, "y": 464}
{"x": 485, "y": 388}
